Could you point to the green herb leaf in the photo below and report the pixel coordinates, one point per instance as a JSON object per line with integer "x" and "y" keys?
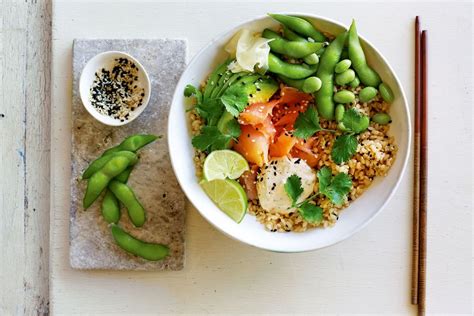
{"x": 340, "y": 186}
{"x": 211, "y": 110}
{"x": 191, "y": 90}
{"x": 233, "y": 129}
{"x": 324, "y": 177}
{"x": 211, "y": 139}
{"x": 235, "y": 99}
{"x": 311, "y": 213}
{"x": 334, "y": 188}
{"x": 343, "y": 148}
{"x": 307, "y": 123}
{"x": 355, "y": 121}
{"x": 293, "y": 188}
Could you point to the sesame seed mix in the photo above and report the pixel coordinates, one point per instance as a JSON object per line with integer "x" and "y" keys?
{"x": 114, "y": 92}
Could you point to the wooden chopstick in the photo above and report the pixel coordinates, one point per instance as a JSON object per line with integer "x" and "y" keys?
{"x": 416, "y": 187}
{"x": 423, "y": 176}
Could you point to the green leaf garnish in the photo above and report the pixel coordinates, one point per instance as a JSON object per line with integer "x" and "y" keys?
{"x": 307, "y": 123}
{"x": 211, "y": 139}
{"x": 311, "y": 212}
{"x": 343, "y": 148}
{"x": 293, "y": 188}
{"x": 211, "y": 110}
{"x": 355, "y": 121}
{"x": 334, "y": 188}
{"x": 235, "y": 99}
{"x": 324, "y": 177}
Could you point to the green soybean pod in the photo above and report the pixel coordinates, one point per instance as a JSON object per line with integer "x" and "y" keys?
{"x": 382, "y": 118}
{"x": 292, "y": 71}
{"x": 354, "y": 83}
{"x": 296, "y": 49}
{"x": 110, "y": 208}
{"x": 367, "y": 75}
{"x": 123, "y": 177}
{"x": 308, "y": 85}
{"x": 386, "y": 93}
{"x": 145, "y": 250}
{"x": 345, "y": 77}
{"x": 339, "y": 112}
{"x": 367, "y": 94}
{"x": 342, "y": 66}
{"x": 292, "y": 36}
{"x": 99, "y": 180}
{"x": 311, "y": 59}
{"x": 100, "y": 162}
{"x": 345, "y": 54}
{"x": 132, "y": 143}
{"x": 300, "y": 26}
{"x": 127, "y": 197}
{"x": 344, "y": 96}
{"x": 311, "y": 84}
{"x": 329, "y": 59}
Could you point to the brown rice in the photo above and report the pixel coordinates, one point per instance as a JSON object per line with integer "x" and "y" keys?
{"x": 375, "y": 155}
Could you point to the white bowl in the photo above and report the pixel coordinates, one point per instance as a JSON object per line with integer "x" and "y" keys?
{"x": 106, "y": 60}
{"x": 356, "y": 216}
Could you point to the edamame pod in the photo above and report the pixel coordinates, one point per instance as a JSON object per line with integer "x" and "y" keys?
{"x": 386, "y": 93}
{"x": 354, "y": 83}
{"x": 125, "y": 194}
{"x": 356, "y": 54}
{"x": 99, "y": 180}
{"x": 342, "y": 66}
{"x": 110, "y": 208}
{"x": 345, "y": 77}
{"x": 300, "y": 26}
{"x": 344, "y": 96}
{"x": 145, "y": 250}
{"x": 382, "y": 118}
{"x": 311, "y": 59}
{"x": 100, "y": 162}
{"x": 292, "y": 36}
{"x": 123, "y": 177}
{"x": 294, "y": 49}
{"x": 329, "y": 59}
{"x": 367, "y": 94}
{"x": 345, "y": 54}
{"x": 339, "y": 112}
{"x": 308, "y": 85}
{"x": 292, "y": 71}
{"x": 132, "y": 143}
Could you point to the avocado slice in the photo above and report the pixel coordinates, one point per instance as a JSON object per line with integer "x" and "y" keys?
{"x": 265, "y": 88}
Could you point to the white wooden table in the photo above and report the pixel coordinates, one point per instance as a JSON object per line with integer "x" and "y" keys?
{"x": 369, "y": 273}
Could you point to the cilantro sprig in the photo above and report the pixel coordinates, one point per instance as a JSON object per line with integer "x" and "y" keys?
{"x": 307, "y": 123}
{"x": 211, "y": 138}
{"x": 335, "y": 188}
{"x": 235, "y": 99}
{"x": 345, "y": 146}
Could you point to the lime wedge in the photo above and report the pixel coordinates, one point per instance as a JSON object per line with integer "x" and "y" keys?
{"x": 222, "y": 164}
{"x": 229, "y": 196}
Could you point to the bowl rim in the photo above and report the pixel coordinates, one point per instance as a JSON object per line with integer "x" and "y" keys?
{"x": 93, "y": 112}
{"x": 348, "y": 234}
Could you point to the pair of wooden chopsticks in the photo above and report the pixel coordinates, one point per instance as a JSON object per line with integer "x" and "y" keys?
{"x": 418, "y": 296}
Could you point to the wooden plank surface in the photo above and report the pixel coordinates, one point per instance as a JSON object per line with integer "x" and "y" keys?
{"x": 368, "y": 273}
{"x": 25, "y": 45}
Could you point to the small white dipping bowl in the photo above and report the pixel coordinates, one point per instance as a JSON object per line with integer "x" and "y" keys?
{"x": 359, "y": 213}
{"x": 106, "y": 60}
